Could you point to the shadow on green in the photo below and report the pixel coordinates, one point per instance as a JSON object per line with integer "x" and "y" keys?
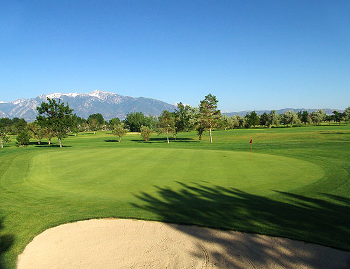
{"x": 6, "y": 241}
{"x": 164, "y": 140}
{"x": 286, "y": 215}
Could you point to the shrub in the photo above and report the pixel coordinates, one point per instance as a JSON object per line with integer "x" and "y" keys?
{"x": 23, "y": 138}
{"x": 146, "y": 132}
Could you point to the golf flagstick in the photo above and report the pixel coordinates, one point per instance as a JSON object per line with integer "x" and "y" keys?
{"x": 251, "y": 148}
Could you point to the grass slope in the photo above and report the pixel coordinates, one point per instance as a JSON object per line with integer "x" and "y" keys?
{"x": 297, "y": 184}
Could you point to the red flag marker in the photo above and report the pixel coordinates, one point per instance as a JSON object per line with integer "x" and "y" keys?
{"x": 251, "y": 148}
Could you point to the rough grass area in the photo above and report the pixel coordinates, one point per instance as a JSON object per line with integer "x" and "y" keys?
{"x": 296, "y": 184}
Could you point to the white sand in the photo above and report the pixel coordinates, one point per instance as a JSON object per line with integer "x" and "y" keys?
{"x": 120, "y": 243}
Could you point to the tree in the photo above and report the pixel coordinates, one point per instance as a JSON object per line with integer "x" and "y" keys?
{"x": 318, "y": 116}
{"x": 289, "y": 117}
{"x": 55, "y": 116}
{"x": 36, "y": 130}
{"x": 166, "y": 123}
{"x": 4, "y": 138}
{"x": 305, "y": 117}
{"x": 19, "y": 125}
{"x": 338, "y": 116}
{"x": 184, "y": 115}
{"x": 264, "y": 119}
{"x": 236, "y": 121}
{"x": 48, "y": 133}
{"x": 274, "y": 118}
{"x": 119, "y": 131}
{"x": 254, "y": 118}
{"x": 347, "y": 113}
{"x": 112, "y": 122}
{"x": 146, "y": 132}
{"x": 93, "y": 125}
{"x": 225, "y": 122}
{"x": 99, "y": 118}
{"x": 23, "y": 138}
{"x": 209, "y": 115}
{"x": 135, "y": 120}
{"x": 75, "y": 126}
{"x": 95, "y": 122}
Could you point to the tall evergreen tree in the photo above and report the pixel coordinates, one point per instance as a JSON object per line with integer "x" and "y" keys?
{"x": 209, "y": 115}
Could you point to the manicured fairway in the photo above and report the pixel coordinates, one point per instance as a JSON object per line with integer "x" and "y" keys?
{"x": 296, "y": 185}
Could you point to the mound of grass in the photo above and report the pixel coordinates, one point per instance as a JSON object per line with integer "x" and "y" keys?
{"x": 297, "y": 184}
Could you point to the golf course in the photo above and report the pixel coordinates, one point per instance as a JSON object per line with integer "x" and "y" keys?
{"x": 290, "y": 182}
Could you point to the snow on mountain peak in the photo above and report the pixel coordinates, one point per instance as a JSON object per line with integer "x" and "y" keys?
{"x": 100, "y": 94}
{"x": 54, "y": 95}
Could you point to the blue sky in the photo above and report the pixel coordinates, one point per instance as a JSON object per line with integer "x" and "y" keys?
{"x": 250, "y": 54}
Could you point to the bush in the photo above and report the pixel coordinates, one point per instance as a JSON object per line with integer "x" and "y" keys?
{"x": 23, "y": 138}
{"x": 146, "y": 132}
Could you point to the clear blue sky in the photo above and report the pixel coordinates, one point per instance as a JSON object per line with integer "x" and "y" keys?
{"x": 250, "y": 54}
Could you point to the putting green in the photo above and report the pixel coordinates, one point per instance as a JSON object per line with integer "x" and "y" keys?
{"x": 108, "y": 173}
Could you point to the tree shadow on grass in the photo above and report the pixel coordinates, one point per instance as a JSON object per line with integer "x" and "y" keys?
{"x": 289, "y": 215}
{"x": 6, "y": 241}
{"x": 164, "y": 140}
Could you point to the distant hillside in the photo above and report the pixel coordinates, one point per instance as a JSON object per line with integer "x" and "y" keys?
{"x": 110, "y": 105}
{"x": 281, "y": 111}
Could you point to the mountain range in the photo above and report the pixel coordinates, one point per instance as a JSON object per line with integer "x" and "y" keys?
{"x": 110, "y": 105}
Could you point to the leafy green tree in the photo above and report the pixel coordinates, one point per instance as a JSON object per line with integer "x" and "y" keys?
{"x": 5, "y": 123}
{"x": 209, "y": 115}
{"x": 337, "y": 116}
{"x": 151, "y": 122}
{"x": 289, "y": 118}
{"x": 93, "y": 125}
{"x": 119, "y": 130}
{"x": 251, "y": 119}
{"x": 48, "y": 133}
{"x": 146, "y": 132}
{"x": 274, "y": 118}
{"x": 236, "y": 121}
{"x": 329, "y": 118}
{"x": 55, "y": 116}
{"x": 184, "y": 115}
{"x": 305, "y": 117}
{"x": 36, "y": 131}
{"x": 264, "y": 119}
{"x": 99, "y": 118}
{"x": 23, "y": 138}
{"x": 112, "y": 122}
{"x": 74, "y": 129}
{"x": 347, "y": 113}
{"x": 225, "y": 122}
{"x": 95, "y": 122}
{"x": 200, "y": 128}
{"x": 135, "y": 120}
{"x": 19, "y": 125}
{"x": 4, "y": 137}
{"x": 254, "y": 118}
{"x": 318, "y": 116}
{"x": 166, "y": 123}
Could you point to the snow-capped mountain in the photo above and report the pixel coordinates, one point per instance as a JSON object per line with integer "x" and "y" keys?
{"x": 109, "y": 104}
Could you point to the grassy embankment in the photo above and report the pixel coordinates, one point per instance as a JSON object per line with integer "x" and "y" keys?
{"x": 296, "y": 184}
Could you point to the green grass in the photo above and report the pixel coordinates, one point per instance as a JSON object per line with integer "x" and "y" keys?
{"x": 296, "y": 185}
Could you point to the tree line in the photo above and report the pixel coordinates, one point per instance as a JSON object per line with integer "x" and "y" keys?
{"x": 55, "y": 119}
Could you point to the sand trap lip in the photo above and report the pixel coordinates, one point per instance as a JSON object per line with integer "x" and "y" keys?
{"x": 125, "y": 243}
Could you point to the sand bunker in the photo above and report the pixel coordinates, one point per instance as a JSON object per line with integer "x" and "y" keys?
{"x": 120, "y": 243}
